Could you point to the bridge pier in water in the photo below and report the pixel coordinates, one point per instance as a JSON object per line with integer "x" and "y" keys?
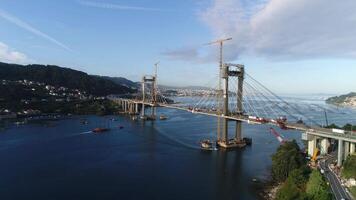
{"x": 153, "y": 101}
{"x": 136, "y": 108}
{"x": 224, "y": 141}
{"x": 127, "y": 106}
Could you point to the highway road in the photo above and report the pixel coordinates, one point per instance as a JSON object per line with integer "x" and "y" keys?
{"x": 338, "y": 190}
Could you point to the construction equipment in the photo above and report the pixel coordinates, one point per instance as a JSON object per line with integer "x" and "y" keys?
{"x": 315, "y": 154}
{"x": 277, "y": 135}
{"x": 219, "y": 106}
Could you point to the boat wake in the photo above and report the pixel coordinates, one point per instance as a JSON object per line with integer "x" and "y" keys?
{"x": 82, "y": 133}
{"x": 180, "y": 142}
{"x": 86, "y": 132}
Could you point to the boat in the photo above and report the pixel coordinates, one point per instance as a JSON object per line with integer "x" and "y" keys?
{"x": 248, "y": 141}
{"x": 300, "y": 121}
{"x": 100, "y": 130}
{"x": 206, "y": 144}
{"x": 20, "y": 123}
{"x": 163, "y": 117}
{"x": 84, "y": 121}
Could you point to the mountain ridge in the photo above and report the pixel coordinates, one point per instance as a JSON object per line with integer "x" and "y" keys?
{"x": 61, "y": 76}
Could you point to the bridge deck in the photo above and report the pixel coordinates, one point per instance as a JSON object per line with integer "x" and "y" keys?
{"x": 312, "y": 130}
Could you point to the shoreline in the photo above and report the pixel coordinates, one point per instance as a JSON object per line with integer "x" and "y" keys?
{"x": 268, "y": 190}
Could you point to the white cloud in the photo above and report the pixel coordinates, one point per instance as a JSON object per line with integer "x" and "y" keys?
{"x": 115, "y": 6}
{"x": 11, "y": 56}
{"x": 31, "y": 29}
{"x": 284, "y": 29}
{"x": 187, "y": 53}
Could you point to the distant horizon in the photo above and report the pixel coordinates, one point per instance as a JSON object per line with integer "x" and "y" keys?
{"x": 186, "y": 86}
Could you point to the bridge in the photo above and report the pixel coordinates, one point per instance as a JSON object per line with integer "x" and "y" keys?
{"x": 240, "y": 98}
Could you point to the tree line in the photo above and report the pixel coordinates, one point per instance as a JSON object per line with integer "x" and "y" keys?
{"x": 298, "y": 181}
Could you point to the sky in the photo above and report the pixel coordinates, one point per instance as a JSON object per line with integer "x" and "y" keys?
{"x": 291, "y": 46}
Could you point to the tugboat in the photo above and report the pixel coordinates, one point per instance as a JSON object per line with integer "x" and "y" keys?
{"x": 100, "y": 130}
{"x": 206, "y": 144}
{"x": 163, "y": 117}
{"x": 248, "y": 141}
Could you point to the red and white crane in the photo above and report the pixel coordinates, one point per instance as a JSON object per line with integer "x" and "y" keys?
{"x": 277, "y": 135}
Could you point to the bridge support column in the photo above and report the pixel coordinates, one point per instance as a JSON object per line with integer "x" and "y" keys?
{"x": 153, "y": 111}
{"x": 136, "y": 108}
{"x": 238, "y": 134}
{"x": 340, "y": 150}
{"x": 234, "y": 70}
{"x": 131, "y": 108}
{"x": 311, "y": 146}
{"x": 225, "y": 76}
{"x": 347, "y": 149}
{"x": 352, "y": 148}
{"x": 143, "y": 110}
{"x": 324, "y": 146}
{"x": 143, "y": 98}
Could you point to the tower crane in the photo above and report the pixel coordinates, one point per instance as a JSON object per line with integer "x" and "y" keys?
{"x": 221, "y": 44}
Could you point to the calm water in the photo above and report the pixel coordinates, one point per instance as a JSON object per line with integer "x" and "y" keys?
{"x": 151, "y": 160}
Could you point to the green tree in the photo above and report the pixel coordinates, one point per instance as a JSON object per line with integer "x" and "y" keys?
{"x": 332, "y": 126}
{"x": 349, "y": 167}
{"x": 347, "y": 127}
{"x": 316, "y": 187}
{"x": 286, "y": 159}
{"x": 299, "y": 177}
{"x": 290, "y": 191}
{"x": 294, "y": 186}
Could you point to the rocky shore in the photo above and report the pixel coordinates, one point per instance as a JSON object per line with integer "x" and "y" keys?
{"x": 269, "y": 191}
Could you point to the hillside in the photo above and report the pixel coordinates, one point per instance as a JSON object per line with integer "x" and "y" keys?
{"x": 62, "y": 77}
{"x": 343, "y": 100}
{"x": 122, "y": 81}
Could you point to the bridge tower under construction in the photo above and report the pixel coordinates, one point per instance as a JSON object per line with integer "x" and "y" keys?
{"x": 149, "y": 96}
{"x": 231, "y": 70}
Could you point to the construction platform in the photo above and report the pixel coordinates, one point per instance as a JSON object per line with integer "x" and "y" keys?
{"x": 233, "y": 143}
{"x": 148, "y": 118}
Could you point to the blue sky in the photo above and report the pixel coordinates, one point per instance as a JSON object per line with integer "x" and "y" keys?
{"x": 291, "y": 46}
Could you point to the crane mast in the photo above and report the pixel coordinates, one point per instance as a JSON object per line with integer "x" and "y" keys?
{"x": 220, "y": 92}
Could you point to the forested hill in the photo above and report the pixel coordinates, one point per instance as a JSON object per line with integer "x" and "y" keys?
{"x": 122, "y": 81}
{"x": 59, "y": 76}
{"x": 343, "y": 100}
